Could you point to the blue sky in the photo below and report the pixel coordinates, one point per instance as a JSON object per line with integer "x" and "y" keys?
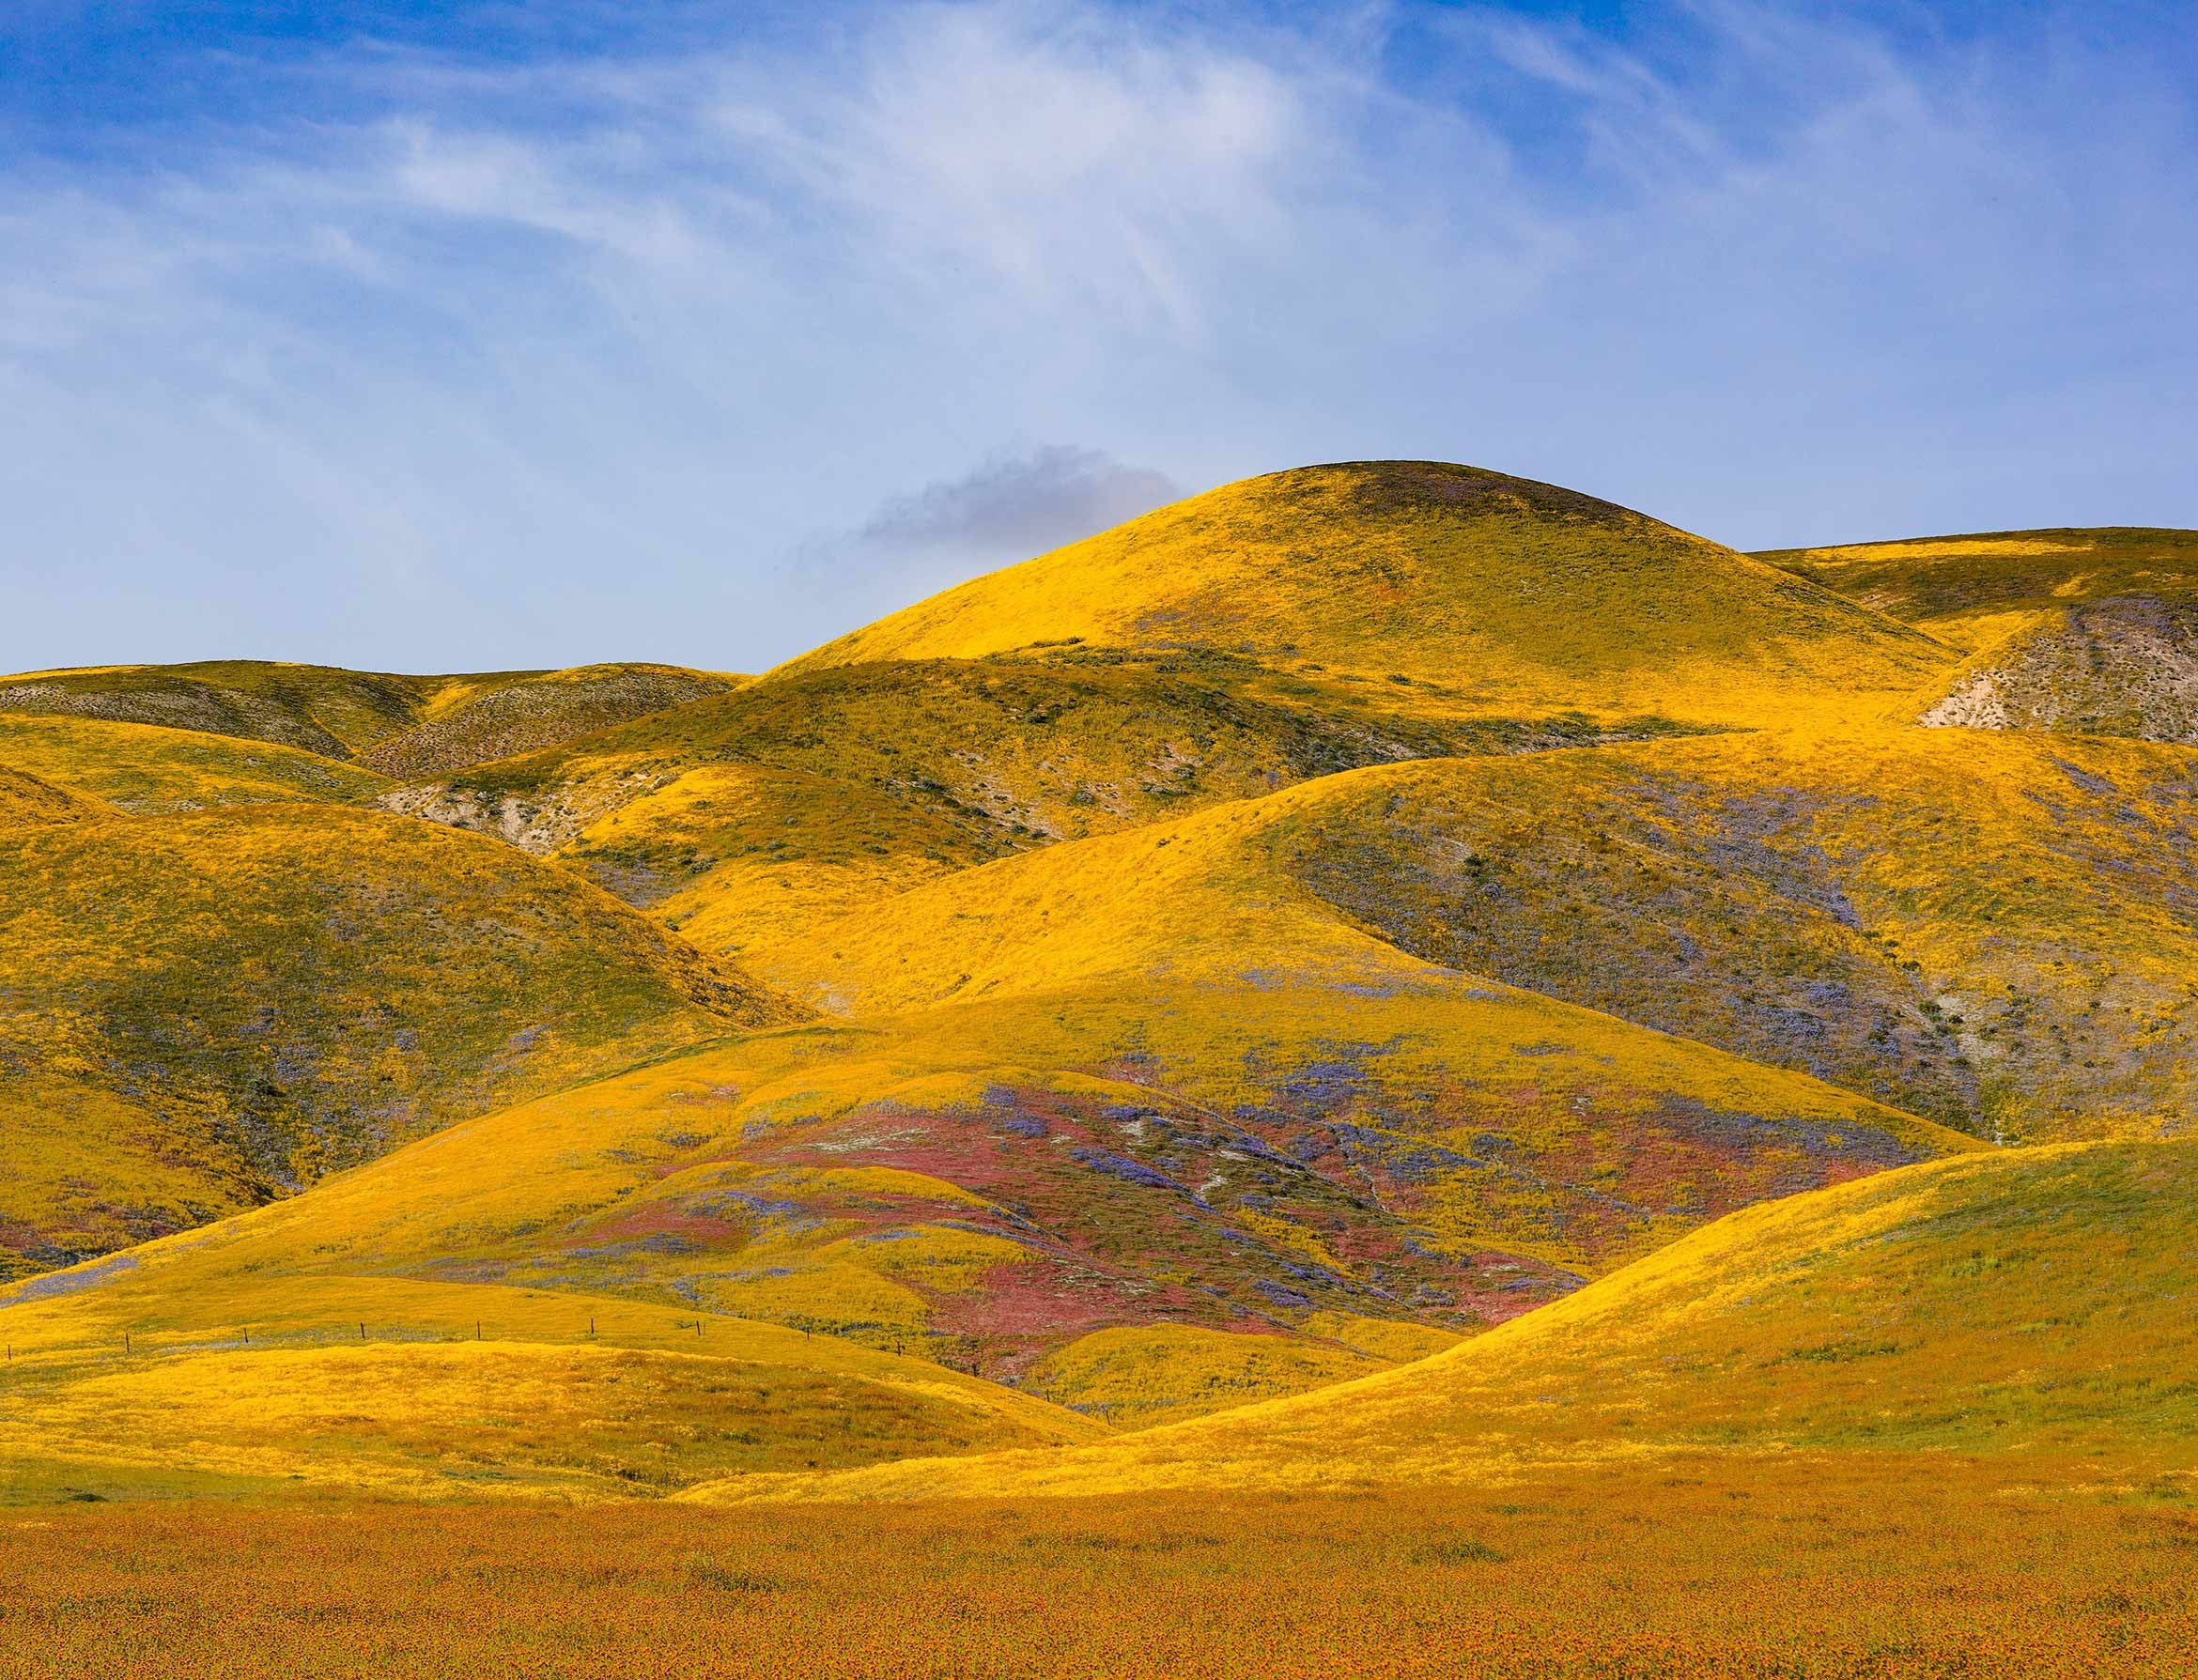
{"x": 428, "y": 337}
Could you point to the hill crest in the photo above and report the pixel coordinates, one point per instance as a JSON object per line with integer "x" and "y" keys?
{"x": 1496, "y": 589}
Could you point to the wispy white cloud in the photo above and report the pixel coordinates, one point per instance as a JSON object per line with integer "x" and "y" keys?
{"x": 566, "y": 358}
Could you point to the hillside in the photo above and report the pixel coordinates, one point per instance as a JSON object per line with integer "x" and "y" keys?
{"x": 1136, "y": 1121}
{"x": 402, "y": 725}
{"x": 2031, "y": 1302}
{"x": 439, "y": 1391}
{"x": 2074, "y": 632}
{"x": 1499, "y": 591}
{"x": 315, "y": 708}
{"x": 1944, "y": 583}
{"x": 25, "y": 800}
{"x": 147, "y": 769}
{"x": 1110, "y": 1244}
{"x": 1993, "y": 931}
{"x": 201, "y": 1010}
{"x": 750, "y": 818}
{"x": 474, "y": 720}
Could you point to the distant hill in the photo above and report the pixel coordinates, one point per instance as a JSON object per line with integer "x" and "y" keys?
{"x": 2074, "y": 632}
{"x": 1946, "y": 582}
{"x": 147, "y": 769}
{"x": 1496, "y": 591}
{"x": 315, "y": 708}
{"x": 2032, "y": 1301}
{"x": 472, "y": 722}
{"x": 401, "y": 725}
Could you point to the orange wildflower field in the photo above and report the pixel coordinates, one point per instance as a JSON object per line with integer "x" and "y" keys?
{"x": 1818, "y": 1567}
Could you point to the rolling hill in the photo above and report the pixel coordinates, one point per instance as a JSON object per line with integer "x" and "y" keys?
{"x": 474, "y": 720}
{"x": 425, "y": 1389}
{"x": 1135, "y": 1121}
{"x": 1995, "y": 931}
{"x": 1500, "y": 590}
{"x": 1103, "y": 1243}
{"x": 147, "y": 769}
{"x": 401, "y": 725}
{"x": 201, "y": 1010}
{"x": 750, "y": 818}
{"x": 2074, "y": 632}
{"x": 2031, "y": 1302}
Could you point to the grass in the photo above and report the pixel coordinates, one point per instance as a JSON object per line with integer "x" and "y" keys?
{"x": 1133, "y": 1377}
{"x": 1817, "y": 1568}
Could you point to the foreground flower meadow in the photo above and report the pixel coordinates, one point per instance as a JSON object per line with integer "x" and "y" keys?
{"x": 1816, "y": 1568}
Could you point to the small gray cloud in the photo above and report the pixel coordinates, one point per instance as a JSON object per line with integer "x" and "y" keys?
{"x": 1005, "y": 510}
{"x": 1012, "y": 507}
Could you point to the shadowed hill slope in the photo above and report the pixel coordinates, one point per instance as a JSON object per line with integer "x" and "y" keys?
{"x": 402, "y": 725}
{"x": 1997, "y": 930}
{"x": 199, "y": 1011}
{"x": 501, "y": 720}
{"x": 1508, "y": 593}
{"x": 2033, "y": 1299}
{"x": 2075, "y": 632}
